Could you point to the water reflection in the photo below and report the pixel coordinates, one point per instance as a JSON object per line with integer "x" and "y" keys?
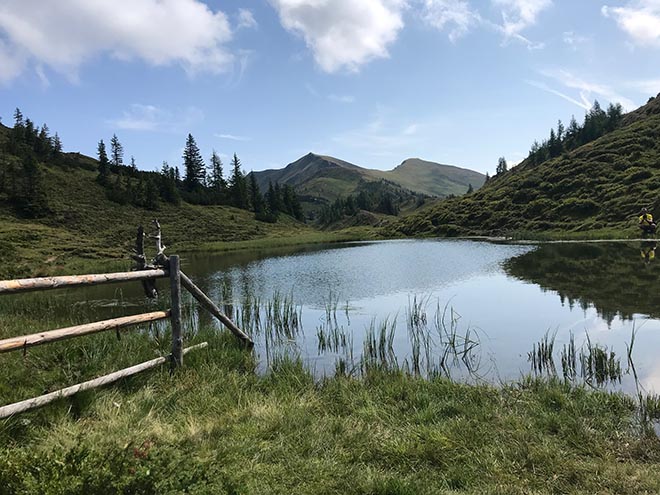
{"x": 609, "y": 277}
{"x": 468, "y": 310}
{"x": 647, "y": 251}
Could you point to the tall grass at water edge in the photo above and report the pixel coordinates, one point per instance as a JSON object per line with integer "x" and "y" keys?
{"x": 217, "y": 426}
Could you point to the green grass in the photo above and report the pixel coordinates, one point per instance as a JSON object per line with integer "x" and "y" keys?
{"x": 596, "y": 189}
{"x": 86, "y": 229}
{"x": 217, "y": 426}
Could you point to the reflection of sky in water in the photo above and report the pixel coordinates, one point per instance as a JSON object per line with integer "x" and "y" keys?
{"x": 377, "y": 280}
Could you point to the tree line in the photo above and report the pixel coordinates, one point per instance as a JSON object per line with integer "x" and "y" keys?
{"x": 26, "y": 147}
{"x": 377, "y": 197}
{"x": 199, "y": 183}
{"x": 21, "y": 178}
{"x": 597, "y": 123}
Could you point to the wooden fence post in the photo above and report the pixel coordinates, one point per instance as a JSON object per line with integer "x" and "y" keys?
{"x": 175, "y": 290}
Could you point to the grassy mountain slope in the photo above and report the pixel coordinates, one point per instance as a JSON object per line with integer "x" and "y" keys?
{"x": 84, "y": 224}
{"x": 595, "y": 188}
{"x": 81, "y": 223}
{"x": 433, "y": 178}
{"x": 324, "y": 178}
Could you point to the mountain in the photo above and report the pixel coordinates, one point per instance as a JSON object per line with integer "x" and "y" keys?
{"x": 597, "y": 187}
{"x": 73, "y": 220}
{"x": 433, "y": 178}
{"x": 321, "y": 179}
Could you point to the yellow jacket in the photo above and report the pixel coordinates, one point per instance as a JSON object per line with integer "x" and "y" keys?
{"x": 646, "y": 218}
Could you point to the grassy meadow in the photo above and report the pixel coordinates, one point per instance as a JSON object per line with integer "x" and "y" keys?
{"x": 219, "y": 426}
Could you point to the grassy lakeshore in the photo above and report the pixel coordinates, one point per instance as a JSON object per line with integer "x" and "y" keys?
{"x": 219, "y": 426}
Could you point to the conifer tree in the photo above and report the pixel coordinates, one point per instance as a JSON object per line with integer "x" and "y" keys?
{"x": 193, "y": 164}
{"x": 168, "y": 189}
{"x": 217, "y": 182}
{"x": 116, "y": 152}
{"x": 501, "y": 166}
{"x": 238, "y": 186}
{"x": 57, "y": 144}
{"x": 104, "y": 164}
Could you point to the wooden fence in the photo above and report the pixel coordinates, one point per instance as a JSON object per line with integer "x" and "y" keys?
{"x": 177, "y": 279}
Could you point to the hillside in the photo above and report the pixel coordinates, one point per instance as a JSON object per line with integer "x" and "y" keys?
{"x": 597, "y": 187}
{"x": 433, "y": 178}
{"x": 78, "y": 222}
{"x": 322, "y": 179}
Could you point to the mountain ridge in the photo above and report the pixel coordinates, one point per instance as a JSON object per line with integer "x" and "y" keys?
{"x": 323, "y": 178}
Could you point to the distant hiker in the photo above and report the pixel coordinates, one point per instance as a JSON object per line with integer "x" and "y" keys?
{"x": 646, "y": 222}
{"x": 647, "y": 251}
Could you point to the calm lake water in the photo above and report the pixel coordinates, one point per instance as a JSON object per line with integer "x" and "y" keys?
{"x": 470, "y": 310}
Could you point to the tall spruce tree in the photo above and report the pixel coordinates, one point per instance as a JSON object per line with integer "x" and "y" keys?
{"x": 217, "y": 181}
{"x": 193, "y": 164}
{"x": 104, "y": 164}
{"x": 238, "y": 190}
{"x": 116, "y": 152}
{"x": 501, "y": 166}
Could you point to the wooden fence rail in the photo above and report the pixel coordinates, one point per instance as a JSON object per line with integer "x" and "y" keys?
{"x": 45, "y": 283}
{"x": 25, "y": 341}
{"x": 42, "y": 400}
{"x": 176, "y": 279}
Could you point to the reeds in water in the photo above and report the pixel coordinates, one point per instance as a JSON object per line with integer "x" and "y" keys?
{"x": 599, "y": 365}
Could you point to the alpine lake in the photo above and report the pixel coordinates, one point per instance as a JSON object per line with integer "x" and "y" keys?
{"x": 473, "y": 311}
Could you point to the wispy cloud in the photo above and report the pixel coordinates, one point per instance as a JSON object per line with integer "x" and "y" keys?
{"x": 518, "y": 15}
{"x": 332, "y": 96}
{"x": 650, "y": 87}
{"x": 640, "y": 19}
{"x": 382, "y": 135}
{"x": 233, "y": 137}
{"x": 457, "y": 16}
{"x": 341, "y": 98}
{"x": 587, "y": 91}
{"x": 574, "y": 40}
{"x": 151, "y": 118}
{"x": 246, "y": 19}
{"x": 541, "y": 85}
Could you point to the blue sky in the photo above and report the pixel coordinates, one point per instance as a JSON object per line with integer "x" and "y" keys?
{"x": 373, "y": 82}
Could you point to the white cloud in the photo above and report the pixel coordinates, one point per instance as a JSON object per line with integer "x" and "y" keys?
{"x": 246, "y": 19}
{"x": 140, "y": 117}
{"x": 455, "y": 13}
{"x": 518, "y": 15}
{"x": 588, "y": 91}
{"x": 232, "y": 137}
{"x": 640, "y": 19}
{"x": 343, "y": 34}
{"x": 65, "y": 34}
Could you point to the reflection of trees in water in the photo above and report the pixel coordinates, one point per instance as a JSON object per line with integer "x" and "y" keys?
{"x": 616, "y": 279}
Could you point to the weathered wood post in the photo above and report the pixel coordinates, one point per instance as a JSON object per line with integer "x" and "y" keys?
{"x": 175, "y": 289}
